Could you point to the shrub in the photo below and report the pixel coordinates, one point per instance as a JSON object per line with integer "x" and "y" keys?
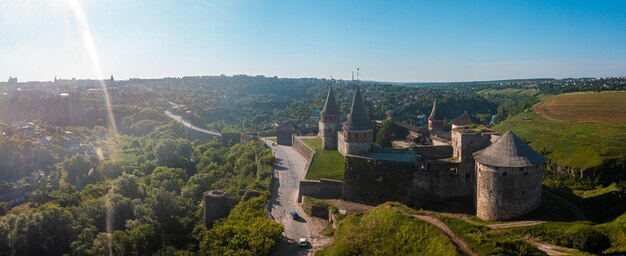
{"x": 590, "y": 240}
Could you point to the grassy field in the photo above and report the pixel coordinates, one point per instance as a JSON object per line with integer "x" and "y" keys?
{"x": 561, "y": 233}
{"x": 602, "y": 107}
{"x": 569, "y": 143}
{"x": 327, "y": 164}
{"x": 386, "y": 231}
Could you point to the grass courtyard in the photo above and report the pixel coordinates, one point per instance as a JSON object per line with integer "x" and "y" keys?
{"x": 327, "y": 164}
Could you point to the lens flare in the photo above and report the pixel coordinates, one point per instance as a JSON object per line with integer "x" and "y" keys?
{"x": 90, "y": 45}
{"x": 85, "y": 31}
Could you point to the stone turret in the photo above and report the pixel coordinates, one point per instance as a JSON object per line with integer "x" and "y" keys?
{"x": 436, "y": 121}
{"x": 358, "y": 131}
{"x": 329, "y": 121}
{"x": 508, "y": 179}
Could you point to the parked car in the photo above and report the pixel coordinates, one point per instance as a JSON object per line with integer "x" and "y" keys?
{"x": 303, "y": 242}
{"x": 295, "y": 215}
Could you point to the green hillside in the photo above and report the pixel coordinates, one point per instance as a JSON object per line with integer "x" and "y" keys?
{"x": 577, "y": 145}
{"x": 386, "y": 231}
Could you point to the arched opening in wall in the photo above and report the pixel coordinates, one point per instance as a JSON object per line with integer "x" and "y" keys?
{"x": 523, "y": 192}
{"x": 525, "y": 173}
{"x": 504, "y": 174}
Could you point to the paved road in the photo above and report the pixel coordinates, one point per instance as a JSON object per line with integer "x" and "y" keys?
{"x": 189, "y": 125}
{"x": 288, "y": 172}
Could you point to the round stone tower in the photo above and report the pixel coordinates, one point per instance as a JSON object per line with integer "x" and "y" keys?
{"x": 508, "y": 179}
{"x": 358, "y": 131}
{"x": 329, "y": 121}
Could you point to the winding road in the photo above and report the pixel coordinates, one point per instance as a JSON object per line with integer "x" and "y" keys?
{"x": 189, "y": 125}
{"x": 288, "y": 171}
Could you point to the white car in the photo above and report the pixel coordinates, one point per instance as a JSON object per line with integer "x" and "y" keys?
{"x": 302, "y": 242}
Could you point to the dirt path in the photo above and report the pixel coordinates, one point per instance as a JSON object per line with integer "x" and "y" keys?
{"x": 551, "y": 249}
{"x": 461, "y": 245}
{"x": 516, "y": 224}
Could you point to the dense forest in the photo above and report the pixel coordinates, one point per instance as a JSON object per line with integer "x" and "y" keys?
{"x": 146, "y": 194}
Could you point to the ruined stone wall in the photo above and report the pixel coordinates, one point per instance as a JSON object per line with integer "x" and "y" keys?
{"x": 505, "y": 193}
{"x": 372, "y": 181}
{"x": 216, "y": 205}
{"x": 434, "y": 152}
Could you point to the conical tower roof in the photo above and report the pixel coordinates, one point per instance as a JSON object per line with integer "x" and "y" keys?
{"x": 358, "y": 121}
{"x": 330, "y": 107}
{"x": 434, "y": 115}
{"x": 509, "y": 151}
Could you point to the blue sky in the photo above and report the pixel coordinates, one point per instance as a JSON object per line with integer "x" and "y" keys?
{"x": 387, "y": 40}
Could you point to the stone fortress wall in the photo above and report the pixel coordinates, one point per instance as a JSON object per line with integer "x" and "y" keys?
{"x": 304, "y": 149}
{"x": 372, "y": 181}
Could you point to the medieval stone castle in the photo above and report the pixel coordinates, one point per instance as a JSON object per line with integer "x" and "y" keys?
{"x": 501, "y": 174}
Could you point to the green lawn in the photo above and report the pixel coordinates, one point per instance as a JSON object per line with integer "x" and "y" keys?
{"x": 578, "y": 145}
{"x": 327, "y": 164}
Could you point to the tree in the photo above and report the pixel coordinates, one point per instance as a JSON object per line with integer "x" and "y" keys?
{"x": 385, "y": 134}
{"x": 173, "y": 153}
{"x": 4, "y": 208}
{"x": 109, "y": 169}
{"x": 75, "y": 168}
{"x": 591, "y": 240}
{"x": 127, "y": 186}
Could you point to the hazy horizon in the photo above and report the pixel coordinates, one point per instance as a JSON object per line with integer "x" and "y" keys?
{"x": 448, "y": 41}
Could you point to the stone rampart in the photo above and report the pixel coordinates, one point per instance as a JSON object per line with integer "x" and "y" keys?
{"x": 433, "y": 151}
{"x": 373, "y": 181}
{"x": 321, "y": 189}
{"x": 304, "y": 149}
